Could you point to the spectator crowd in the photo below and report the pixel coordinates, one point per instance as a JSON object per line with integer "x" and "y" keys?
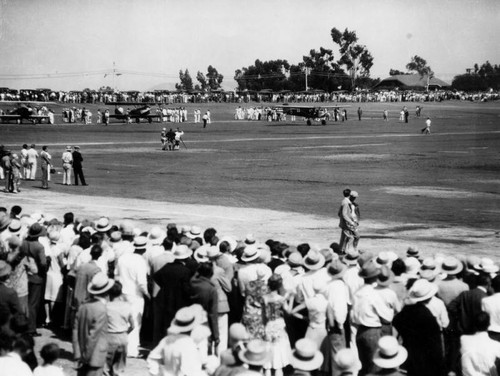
{"x": 193, "y": 301}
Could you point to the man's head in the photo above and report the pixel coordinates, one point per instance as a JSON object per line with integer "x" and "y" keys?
{"x": 346, "y": 192}
{"x": 95, "y": 252}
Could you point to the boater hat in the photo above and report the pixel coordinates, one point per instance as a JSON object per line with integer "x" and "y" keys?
{"x": 346, "y": 362}
{"x": 256, "y": 353}
{"x": 185, "y": 320}
{"x": 250, "y": 253}
{"x": 351, "y": 257}
{"x": 102, "y": 224}
{"x": 15, "y": 226}
{"x": 369, "y": 270}
{"x": 336, "y": 269}
{"x": 422, "y": 290}
{"x": 100, "y": 283}
{"x": 390, "y": 354}
{"x": 385, "y": 277}
{"x": 451, "y": 266}
{"x": 306, "y": 356}
{"x": 314, "y": 260}
{"x": 182, "y": 252}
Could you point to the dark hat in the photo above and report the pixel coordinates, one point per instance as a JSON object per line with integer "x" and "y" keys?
{"x": 336, "y": 269}
{"x": 36, "y": 230}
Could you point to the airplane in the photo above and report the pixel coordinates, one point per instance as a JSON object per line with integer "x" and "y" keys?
{"x": 25, "y": 111}
{"x": 308, "y": 111}
{"x": 142, "y": 110}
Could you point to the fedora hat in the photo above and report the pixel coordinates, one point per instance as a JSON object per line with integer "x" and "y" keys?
{"x": 313, "y": 260}
{"x": 385, "y": 277}
{"x": 346, "y": 360}
{"x": 182, "y": 252}
{"x": 255, "y": 353}
{"x": 5, "y": 268}
{"x": 369, "y": 270}
{"x": 195, "y": 232}
{"x": 250, "y": 253}
{"x": 336, "y": 269}
{"x": 36, "y": 230}
{"x": 351, "y": 257}
{"x": 451, "y": 265}
{"x": 100, "y": 283}
{"x": 422, "y": 290}
{"x": 390, "y": 354}
{"x": 4, "y": 221}
{"x": 294, "y": 259}
{"x": 305, "y": 356}
{"x": 102, "y": 224}
{"x": 185, "y": 320}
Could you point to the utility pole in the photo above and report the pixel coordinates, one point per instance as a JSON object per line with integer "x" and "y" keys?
{"x": 307, "y": 71}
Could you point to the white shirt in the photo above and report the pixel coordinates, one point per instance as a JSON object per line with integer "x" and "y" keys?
{"x": 12, "y": 365}
{"x": 479, "y": 353}
{"x": 353, "y": 281}
{"x": 131, "y": 271}
{"x": 32, "y": 155}
{"x": 439, "y": 311}
{"x": 369, "y": 308}
{"x": 48, "y": 370}
{"x": 338, "y": 300}
{"x": 491, "y": 305}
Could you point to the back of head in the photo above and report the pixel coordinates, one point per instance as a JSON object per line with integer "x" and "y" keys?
{"x": 346, "y": 192}
{"x": 482, "y": 322}
{"x": 398, "y": 267}
{"x": 206, "y": 269}
{"x": 208, "y": 234}
{"x": 95, "y": 252}
{"x": 50, "y": 353}
{"x": 495, "y": 283}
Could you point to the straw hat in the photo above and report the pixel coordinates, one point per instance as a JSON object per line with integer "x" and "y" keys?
{"x": 336, "y": 269}
{"x": 313, "y": 260}
{"x": 102, "y": 224}
{"x": 250, "y": 253}
{"x": 233, "y": 244}
{"x": 140, "y": 242}
{"x": 15, "y": 226}
{"x": 345, "y": 361}
{"x": 390, "y": 354}
{"x": 412, "y": 266}
{"x": 256, "y": 353}
{"x": 201, "y": 253}
{"x": 385, "y": 277}
{"x": 195, "y": 232}
{"x": 305, "y": 356}
{"x": 100, "y": 283}
{"x": 185, "y": 320}
{"x": 351, "y": 257}
{"x": 156, "y": 236}
{"x": 294, "y": 259}
{"x": 422, "y": 290}
{"x": 451, "y": 265}
{"x": 182, "y": 252}
{"x": 213, "y": 252}
{"x": 486, "y": 266}
{"x": 369, "y": 270}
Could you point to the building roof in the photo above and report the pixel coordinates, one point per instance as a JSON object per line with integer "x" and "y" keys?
{"x": 411, "y": 81}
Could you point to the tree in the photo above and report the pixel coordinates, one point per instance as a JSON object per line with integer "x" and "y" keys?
{"x": 485, "y": 77}
{"x": 419, "y": 65}
{"x": 356, "y": 58}
{"x": 186, "y": 82}
{"x": 214, "y": 78}
{"x": 395, "y": 72}
{"x": 324, "y": 73}
{"x": 263, "y": 75}
{"x": 202, "y": 80}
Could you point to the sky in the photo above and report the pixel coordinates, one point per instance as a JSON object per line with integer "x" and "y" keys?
{"x": 77, "y": 44}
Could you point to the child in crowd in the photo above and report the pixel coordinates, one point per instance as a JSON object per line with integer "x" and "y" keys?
{"x": 49, "y": 353}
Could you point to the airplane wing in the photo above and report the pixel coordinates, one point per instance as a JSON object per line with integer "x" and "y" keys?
{"x": 285, "y": 105}
{"x": 133, "y": 103}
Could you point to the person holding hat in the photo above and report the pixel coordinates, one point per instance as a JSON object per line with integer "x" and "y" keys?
{"x": 132, "y": 270}
{"x": 173, "y": 280}
{"x": 33, "y": 248}
{"x": 77, "y": 165}
{"x": 421, "y": 332}
{"x": 177, "y": 353}
{"x": 67, "y": 162}
{"x": 306, "y": 358}
{"x": 90, "y": 331}
{"x": 369, "y": 313}
{"x": 389, "y": 357}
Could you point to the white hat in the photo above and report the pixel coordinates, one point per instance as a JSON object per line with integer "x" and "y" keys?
{"x": 102, "y": 224}
{"x": 390, "y": 354}
{"x": 250, "y": 253}
{"x": 422, "y": 290}
{"x": 195, "y": 232}
{"x": 305, "y": 356}
{"x": 156, "y": 235}
{"x": 100, "y": 283}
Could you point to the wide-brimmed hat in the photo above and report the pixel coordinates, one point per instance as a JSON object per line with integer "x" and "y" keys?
{"x": 422, "y": 290}
{"x": 156, "y": 235}
{"x": 305, "y": 356}
{"x": 346, "y": 360}
{"x": 15, "y": 226}
{"x": 195, "y": 232}
{"x": 100, "y": 283}
{"x": 413, "y": 252}
{"x": 313, "y": 260}
{"x": 213, "y": 252}
{"x": 54, "y": 236}
{"x": 185, "y": 320}
{"x": 233, "y": 244}
{"x": 255, "y": 353}
{"x": 140, "y": 242}
{"x": 250, "y": 253}
{"x": 102, "y": 224}
{"x": 5, "y": 268}
{"x": 115, "y": 237}
{"x": 385, "y": 277}
{"x": 486, "y": 266}
{"x": 14, "y": 242}
{"x": 4, "y": 221}
{"x": 429, "y": 269}
{"x": 451, "y": 265}
{"x": 351, "y": 257}
{"x": 369, "y": 270}
{"x": 250, "y": 239}
{"x": 237, "y": 333}
{"x": 201, "y": 253}
{"x": 182, "y": 252}
{"x": 127, "y": 228}
{"x": 412, "y": 266}
{"x": 36, "y": 230}
{"x": 390, "y": 354}
{"x": 336, "y": 269}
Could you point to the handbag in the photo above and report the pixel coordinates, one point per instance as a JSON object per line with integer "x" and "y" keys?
{"x": 52, "y": 170}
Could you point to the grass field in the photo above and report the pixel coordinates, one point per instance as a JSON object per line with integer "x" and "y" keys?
{"x": 405, "y": 180}
{"x": 284, "y": 180}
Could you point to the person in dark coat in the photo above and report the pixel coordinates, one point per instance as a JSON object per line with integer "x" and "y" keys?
{"x": 77, "y": 165}
{"x": 36, "y": 282}
{"x": 204, "y": 293}
{"x": 420, "y": 332}
{"x": 9, "y": 302}
{"x": 175, "y": 289}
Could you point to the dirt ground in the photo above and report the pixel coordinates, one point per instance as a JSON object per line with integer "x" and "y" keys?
{"x": 284, "y": 181}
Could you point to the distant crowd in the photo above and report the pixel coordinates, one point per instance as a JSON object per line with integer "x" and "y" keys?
{"x": 195, "y": 301}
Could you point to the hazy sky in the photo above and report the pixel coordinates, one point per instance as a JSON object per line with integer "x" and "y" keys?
{"x": 70, "y": 44}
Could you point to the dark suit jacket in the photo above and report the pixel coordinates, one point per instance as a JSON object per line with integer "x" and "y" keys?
{"x": 464, "y": 309}
{"x": 205, "y": 294}
{"x": 35, "y": 249}
{"x": 90, "y": 334}
{"x": 84, "y": 275}
{"x": 9, "y": 302}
